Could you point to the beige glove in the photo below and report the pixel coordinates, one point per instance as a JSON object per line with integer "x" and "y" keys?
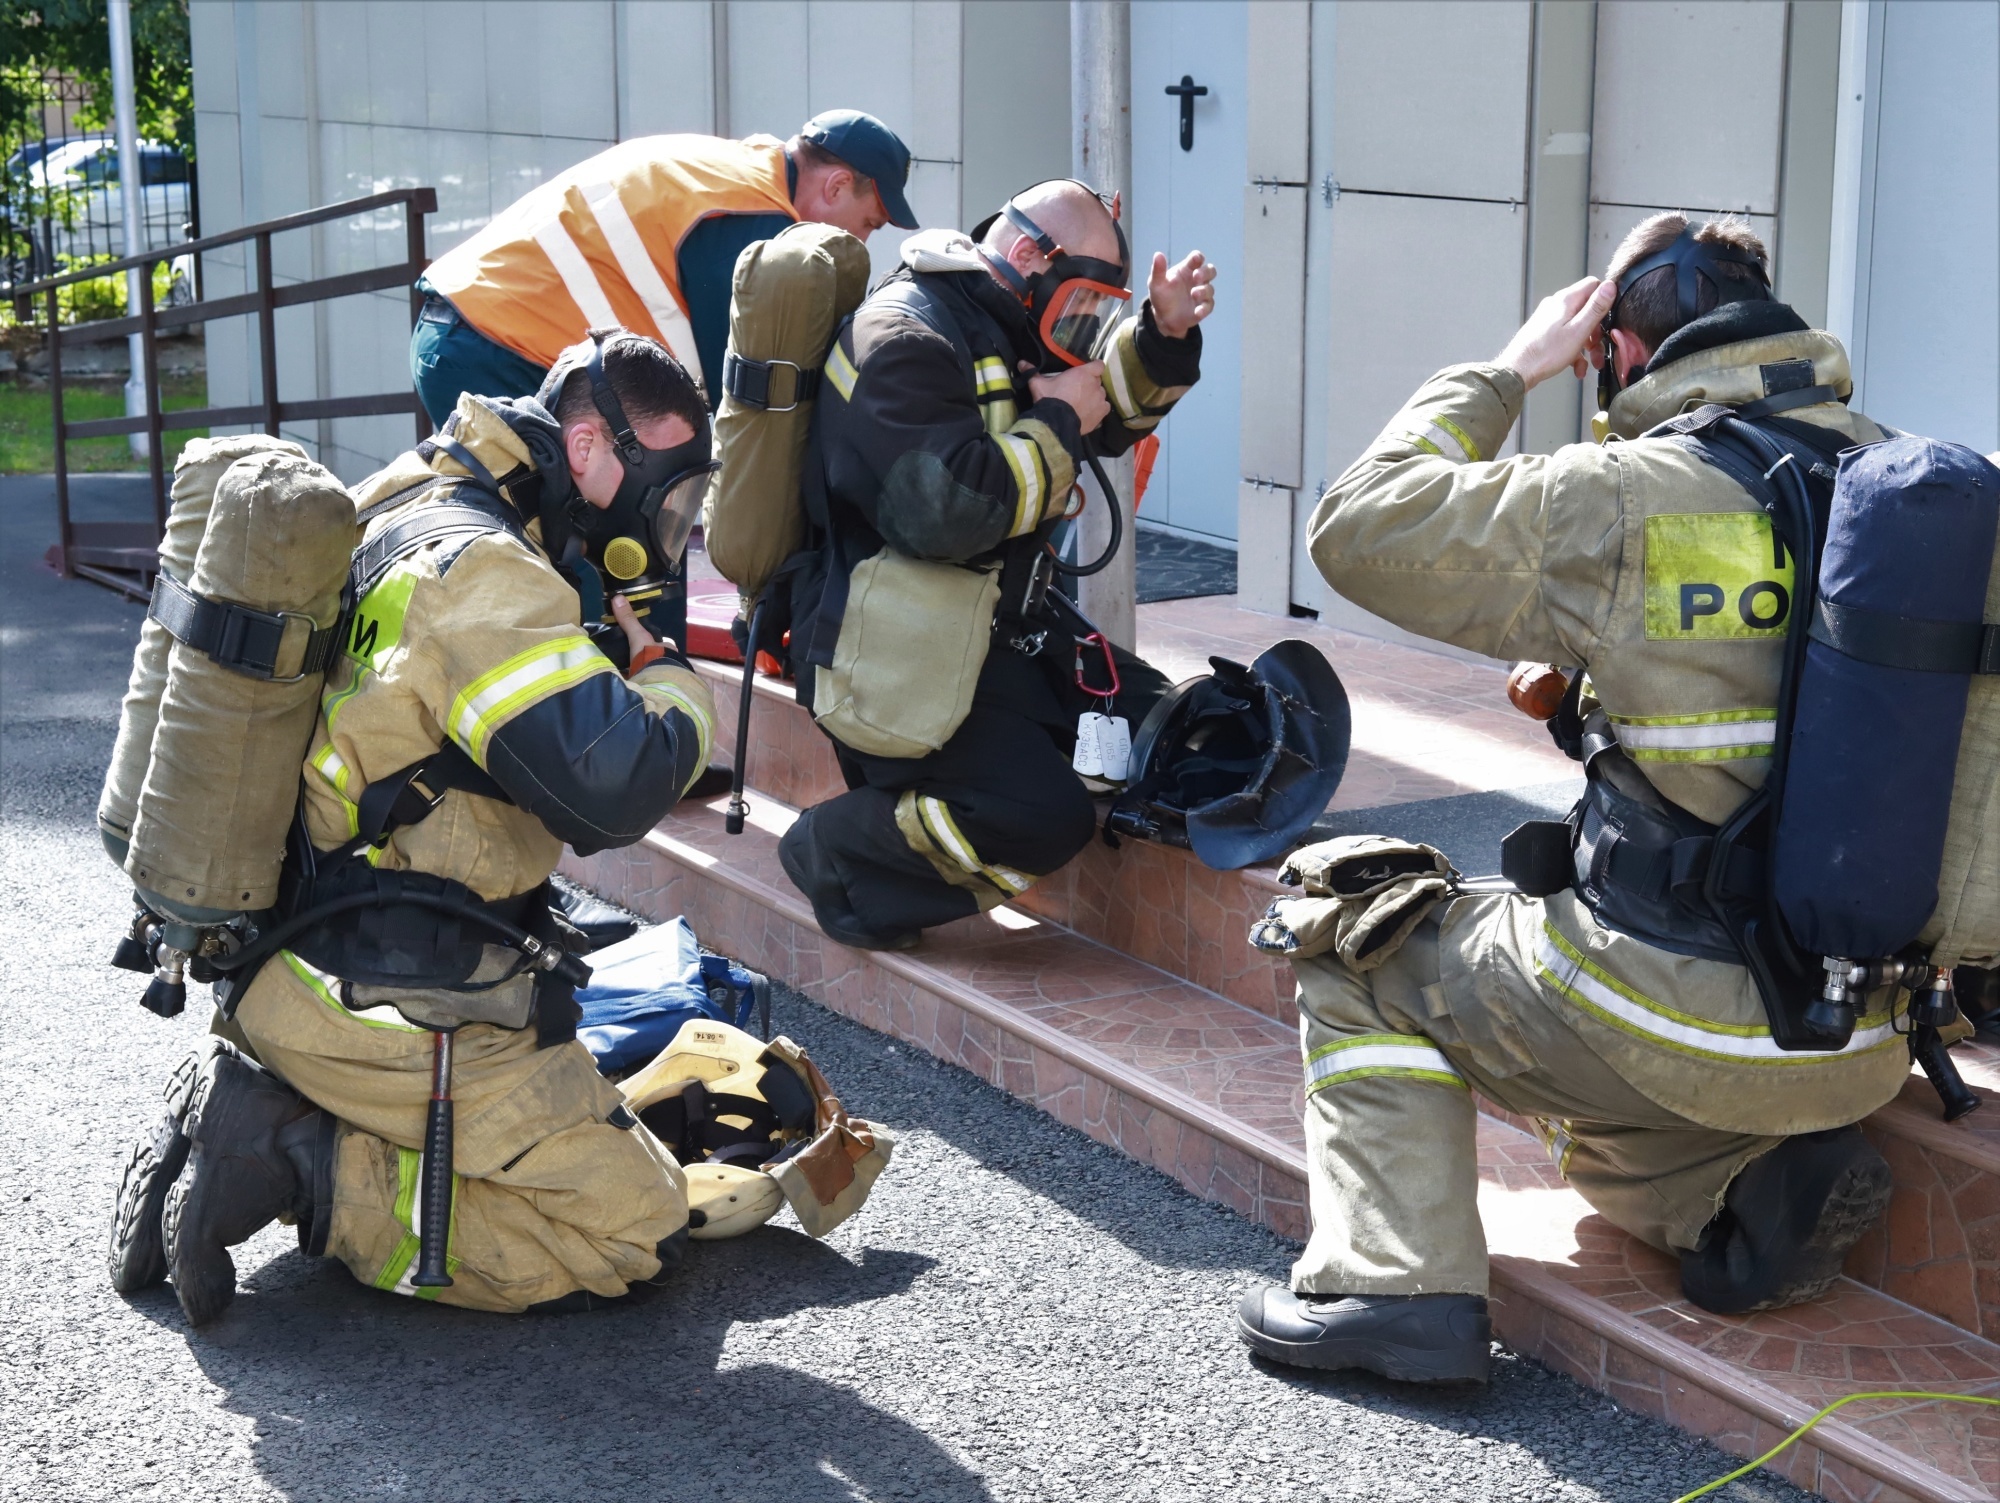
{"x": 1364, "y": 894}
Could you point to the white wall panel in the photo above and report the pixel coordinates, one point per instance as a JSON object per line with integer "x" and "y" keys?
{"x": 459, "y": 165}
{"x": 212, "y": 44}
{"x": 1417, "y": 284}
{"x": 1273, "y": 290}
{"x": 666, "y": 79}
{"x": 1690, "y": 98}
{"x": 1431, "y": 96}
{"x": 1015, "y": 115}
{"x": 395, "y": 84}
{"x": 768, "y": 69}
{"x": 1281, "y": 93}
{"x": 455, "y": 97}
{"x": 1931, "y": 339}
{"x": 340, "y": 63}
{"x": 281, "y": 57}
{"x": 573, "y": 48}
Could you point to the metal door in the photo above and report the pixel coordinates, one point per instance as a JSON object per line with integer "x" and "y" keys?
{"x": 1193, "y": 200}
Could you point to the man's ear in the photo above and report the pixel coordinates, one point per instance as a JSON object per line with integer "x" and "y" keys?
{"x": 579, "y": 442}
{"x": 1631, "y": 355}
{"x": 1022, "y": 255}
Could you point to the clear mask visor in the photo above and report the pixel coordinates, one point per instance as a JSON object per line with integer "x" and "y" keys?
{"x": 679, "y": 509}
{"x": 1080, "y": 317}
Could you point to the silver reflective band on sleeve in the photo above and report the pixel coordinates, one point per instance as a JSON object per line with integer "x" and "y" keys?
{"x": 1444, "y": 438}
{"x": 1371, "y": 1054}
{"x": 1609, "y": 1000}
{"x": 1724, "y": 736}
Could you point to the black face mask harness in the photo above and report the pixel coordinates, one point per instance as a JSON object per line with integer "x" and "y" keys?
{"x": 1075, "y": 298}
{"x": 1691, "y": 261}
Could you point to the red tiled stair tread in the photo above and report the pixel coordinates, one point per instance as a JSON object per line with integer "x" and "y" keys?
{"x": 1209, "y": 1092}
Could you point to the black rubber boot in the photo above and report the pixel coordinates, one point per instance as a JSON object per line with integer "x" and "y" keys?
{"x": 1788, "y": 1223}
{"x": 814, "y": 877}
{"x": 260, "y": 1149}
{"x": 1412, "y": 1338}
{"x": 138, "y": 1251}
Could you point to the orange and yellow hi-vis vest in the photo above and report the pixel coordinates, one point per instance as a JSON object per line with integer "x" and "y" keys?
{"x": 599, "y": 244}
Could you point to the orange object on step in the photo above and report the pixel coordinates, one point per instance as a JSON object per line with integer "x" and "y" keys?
{"x": 711, "y": 607}
{"x": 1537, "y": 689}
{"x": 1144, "y": 454}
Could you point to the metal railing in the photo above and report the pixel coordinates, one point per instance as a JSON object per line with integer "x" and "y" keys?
{"x": 124, "y": 556}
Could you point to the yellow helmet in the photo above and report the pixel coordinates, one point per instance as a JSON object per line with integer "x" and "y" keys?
{"x": 754, "y": 1126}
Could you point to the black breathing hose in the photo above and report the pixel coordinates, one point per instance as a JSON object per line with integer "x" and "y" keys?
{"x": 1098, "y": 564}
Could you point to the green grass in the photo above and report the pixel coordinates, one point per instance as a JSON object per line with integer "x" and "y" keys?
{"x": 27, "y": 426}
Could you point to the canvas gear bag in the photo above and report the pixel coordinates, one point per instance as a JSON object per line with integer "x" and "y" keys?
{"x": 1364, "y": 894}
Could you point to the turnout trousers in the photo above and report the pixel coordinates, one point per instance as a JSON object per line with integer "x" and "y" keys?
{"x": 1393, "y": 1056}
{"x": 550, "y": 1197}
{"x": 921, "y": 841}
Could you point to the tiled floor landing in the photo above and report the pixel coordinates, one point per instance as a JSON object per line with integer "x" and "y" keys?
{"x": 1208, "y": 1091}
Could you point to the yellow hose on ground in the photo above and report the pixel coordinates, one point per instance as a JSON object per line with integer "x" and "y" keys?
{"x": 1852, "y": 1398}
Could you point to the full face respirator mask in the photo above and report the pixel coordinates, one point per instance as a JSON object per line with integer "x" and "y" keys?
{"x": 1076, "y": 301}
{"x": 1692, "y": 262}
{"x": 633, "y": 546}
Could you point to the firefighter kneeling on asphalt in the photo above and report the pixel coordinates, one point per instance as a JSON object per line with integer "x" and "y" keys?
{"x": 959, "y": 404}
{"x": 1619, "y": 1008}
{"x": 458, "y": 726}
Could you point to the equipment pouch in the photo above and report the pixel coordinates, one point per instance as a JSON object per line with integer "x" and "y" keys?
{"x": 1364, "y": 895}
{"x": 911, "y": 644}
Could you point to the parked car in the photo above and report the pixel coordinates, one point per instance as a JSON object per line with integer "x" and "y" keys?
{"x": 78, "y": 208}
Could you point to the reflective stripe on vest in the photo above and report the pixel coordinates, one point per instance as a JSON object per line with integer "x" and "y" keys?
{"x": 599, "y": 243}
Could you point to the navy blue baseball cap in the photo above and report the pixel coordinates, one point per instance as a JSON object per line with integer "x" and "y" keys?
{"x": 871, "y": 149}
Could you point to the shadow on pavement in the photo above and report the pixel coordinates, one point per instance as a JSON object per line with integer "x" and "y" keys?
{"x": 354, "y": 1393}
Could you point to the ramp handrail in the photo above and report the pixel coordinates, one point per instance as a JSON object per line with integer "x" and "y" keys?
{"x": 124, "y": 556}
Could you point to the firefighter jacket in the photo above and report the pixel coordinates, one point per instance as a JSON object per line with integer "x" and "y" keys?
{"x": 1656, "y": 572}
{"x": 480, "y": 642}
{"x": 929, "y": 441}
{"x": 600, "y": 243}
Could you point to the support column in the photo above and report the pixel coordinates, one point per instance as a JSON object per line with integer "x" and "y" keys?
{"x": 1101, "y": 154}
{"x": 125, "y": 118}
{"x": 1559, "y": 126}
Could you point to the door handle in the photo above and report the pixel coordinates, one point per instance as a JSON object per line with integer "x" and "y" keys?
{"x": 1187, "y": 91}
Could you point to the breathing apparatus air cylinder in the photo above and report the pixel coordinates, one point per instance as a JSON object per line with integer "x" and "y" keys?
{"x": 200, "y": 466}
{"x": 1895, "y": 637}
{"x": 252, "y": 630}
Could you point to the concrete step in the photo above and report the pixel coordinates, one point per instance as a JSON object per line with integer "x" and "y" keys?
{"x": 1209, "y": 1091}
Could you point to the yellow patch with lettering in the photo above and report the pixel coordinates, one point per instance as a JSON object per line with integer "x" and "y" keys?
{"x": 1715, "y": 576}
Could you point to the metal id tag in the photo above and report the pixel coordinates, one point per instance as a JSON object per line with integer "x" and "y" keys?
{"x": 1089, "y": 758}
{"x": 1114, "y": 748}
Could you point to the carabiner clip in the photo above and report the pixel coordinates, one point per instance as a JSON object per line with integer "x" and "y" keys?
{"x": 1110, "y": 666}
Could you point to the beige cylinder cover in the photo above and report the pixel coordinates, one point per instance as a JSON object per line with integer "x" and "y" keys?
{"x": 195, "y": 474}
{"x": 789, "y": 294}
{"x": 223, "y": 778}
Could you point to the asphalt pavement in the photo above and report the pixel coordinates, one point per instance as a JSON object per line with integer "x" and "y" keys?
{"x": 1018, "y": 1313}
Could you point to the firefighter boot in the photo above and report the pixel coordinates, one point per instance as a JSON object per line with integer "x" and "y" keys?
{"x": 138, "y": 1251}
{"x": 813, "y": 874}
{"x": 1412, "y": 1338}
{"x": 1787, "y": 1223}
{"x": 259, "y": 1150}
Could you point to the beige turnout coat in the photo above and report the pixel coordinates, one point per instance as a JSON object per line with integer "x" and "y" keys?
{"x": 1659, "y": 575}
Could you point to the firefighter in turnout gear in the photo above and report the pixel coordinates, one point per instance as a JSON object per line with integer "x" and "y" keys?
{"x": 1618, "y": 1016}
{"x": 959, "y": 404}
{"x": 468, "y": 730}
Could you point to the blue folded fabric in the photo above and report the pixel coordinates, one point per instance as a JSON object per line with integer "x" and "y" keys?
{"x": 644, "y": 988}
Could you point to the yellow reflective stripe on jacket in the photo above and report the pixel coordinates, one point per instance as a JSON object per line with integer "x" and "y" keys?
{"x": 990, "y": 375}
{"x": 1371, "y": 1054}
{"x": 937, "y": 819}
{"x": 1611, "y": 1001}
{"x": 1720, "y": 736}
{"x": 328, "y": 764}
{"x": 841, "y": 372}
{"x": 396, "y": 1273}
{"x": 1453, "y": 441}
{"x": 525, "y": 679}
{"x": 1715, "y": 577}
{"x": 1024, "y": 458}
{"x": 322, "y": 984}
